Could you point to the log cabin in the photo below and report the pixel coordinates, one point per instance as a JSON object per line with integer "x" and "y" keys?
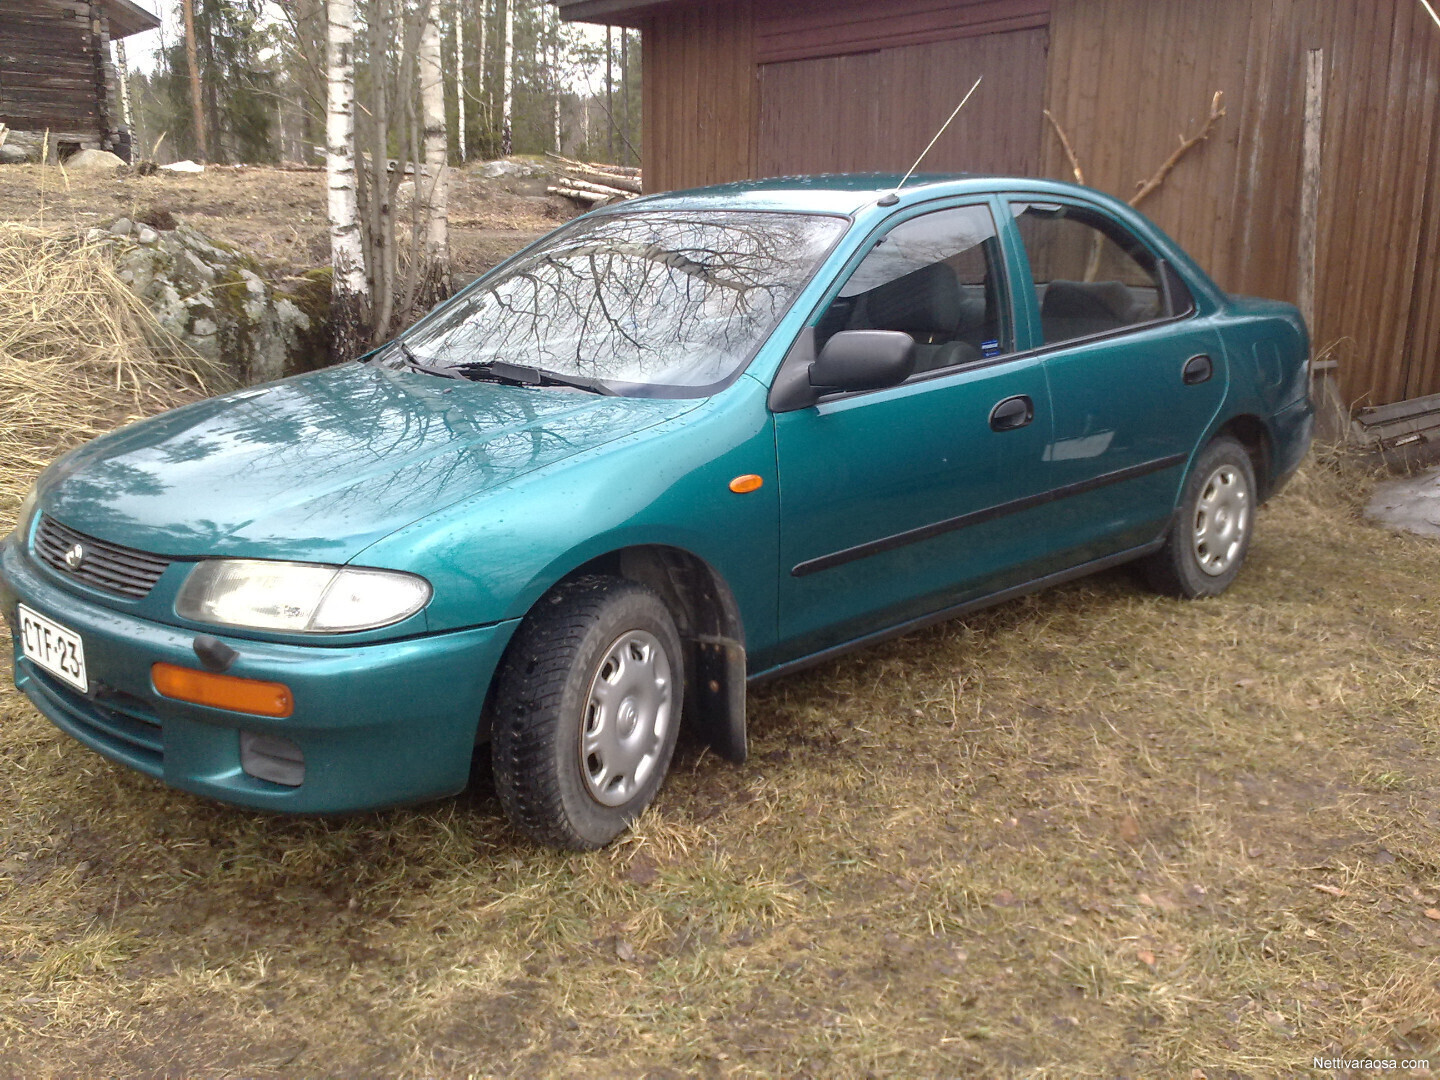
{"x": 1317, "y": 186}
{"x": 56, "y": 75}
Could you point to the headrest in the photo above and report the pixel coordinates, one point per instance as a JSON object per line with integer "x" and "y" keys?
{"x": 1106, "y": 300}
{"x": 927, "y": 301}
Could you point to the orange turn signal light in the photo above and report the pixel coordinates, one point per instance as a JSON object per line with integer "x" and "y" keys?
{"x": 742, "y": 485}
{"x": 223, "y": 691}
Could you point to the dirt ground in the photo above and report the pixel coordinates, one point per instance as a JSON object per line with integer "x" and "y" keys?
{"x": 277, "y": 215}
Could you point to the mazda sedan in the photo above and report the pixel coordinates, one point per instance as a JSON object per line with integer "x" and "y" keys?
{"x": 674, "y": 447}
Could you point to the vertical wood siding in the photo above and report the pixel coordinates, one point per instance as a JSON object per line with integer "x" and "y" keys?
{"x": 1125, "y": 78}
{"x": 700, "y": 95}
{"x": 827, "y": 115}
{"x": 809, "y": 29}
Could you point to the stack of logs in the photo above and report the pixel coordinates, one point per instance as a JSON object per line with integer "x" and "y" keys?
{"x": 592, "y": 184}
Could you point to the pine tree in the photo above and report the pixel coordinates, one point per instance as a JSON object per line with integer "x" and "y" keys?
{"x": 236, "y": 115}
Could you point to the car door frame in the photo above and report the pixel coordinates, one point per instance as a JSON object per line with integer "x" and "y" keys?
{"x": 1202, "y": 308}
{"x": 802, "y": 352}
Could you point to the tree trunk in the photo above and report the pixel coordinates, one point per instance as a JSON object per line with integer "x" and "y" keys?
{"x": 625, "y": 87}
{"x": 350, "y": 304}
{"x": 555, "y": 86}
{"x": 382, "y": 191}
{"x": 482, "y": 62}
{"x": 122, "y": 72}
{"x": 197, "y": 103}
{"x": 462, "y": 141}
{"x": 507, "y": 131}
{"x": 609, "y": 93}
{"x": 434, "y": 185}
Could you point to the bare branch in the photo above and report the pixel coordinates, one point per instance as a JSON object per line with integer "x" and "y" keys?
{"x": 1069, "y": 150}
{"x": 1148, "y": 187}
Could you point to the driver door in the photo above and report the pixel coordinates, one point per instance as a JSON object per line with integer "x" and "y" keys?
{"x": 900, "y": 502}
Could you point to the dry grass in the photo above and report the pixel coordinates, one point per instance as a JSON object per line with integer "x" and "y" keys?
{"x": 1092, "y": 833}
{"x": 79, "y": 355}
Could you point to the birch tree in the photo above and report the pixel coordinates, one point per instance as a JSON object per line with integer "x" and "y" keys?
{"x": 462, "y": 142}
{"x": 434, "y": 255}
{"x": 507, "y": 78}
{"x": 350, "y": 303}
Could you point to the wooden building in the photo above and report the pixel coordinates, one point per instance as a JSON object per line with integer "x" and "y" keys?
{"x": 55, "y": 71}
{"x": 747, "y": 88}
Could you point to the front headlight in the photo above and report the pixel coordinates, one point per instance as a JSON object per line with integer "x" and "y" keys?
{"x": 300, "y": 598}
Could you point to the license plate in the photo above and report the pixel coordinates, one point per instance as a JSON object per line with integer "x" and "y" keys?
{"x": 51, "y": 646}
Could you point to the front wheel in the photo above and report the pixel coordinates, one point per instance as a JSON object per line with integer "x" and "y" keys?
{"x": 587, "y": 710}
{"x": 1211, "y": 533}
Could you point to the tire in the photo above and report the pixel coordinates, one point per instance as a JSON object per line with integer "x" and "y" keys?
{"x": 586, "y": 712}
{"x": 1211, "y": 533}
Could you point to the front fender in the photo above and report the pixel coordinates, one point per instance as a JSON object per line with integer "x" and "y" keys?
{"x": 490, "y": 558}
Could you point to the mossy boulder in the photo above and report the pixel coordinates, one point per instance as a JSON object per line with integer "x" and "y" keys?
{"x": 219, "y": 301}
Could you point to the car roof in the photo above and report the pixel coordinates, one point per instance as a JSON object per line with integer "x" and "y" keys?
{"x": 842, "y": 193}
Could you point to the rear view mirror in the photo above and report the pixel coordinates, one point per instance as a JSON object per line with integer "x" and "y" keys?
{"x": 864, "y": 360}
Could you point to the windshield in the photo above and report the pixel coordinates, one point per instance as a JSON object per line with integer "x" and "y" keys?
{"x": 664, "y": 303}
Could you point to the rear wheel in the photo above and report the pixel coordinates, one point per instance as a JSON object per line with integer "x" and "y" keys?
{"x": 587, "y": 710}
{"x": 1211, "y": 533}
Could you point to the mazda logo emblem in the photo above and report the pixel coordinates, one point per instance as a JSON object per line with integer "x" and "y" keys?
{"x": 75, "y": 556}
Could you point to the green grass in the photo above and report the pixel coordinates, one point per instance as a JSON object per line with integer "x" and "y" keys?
{"x": 1090, "y": 833}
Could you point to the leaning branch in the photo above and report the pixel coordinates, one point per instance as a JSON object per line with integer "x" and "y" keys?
{"x": 1148, "y": 187}
{"x": 1069, "y": 150}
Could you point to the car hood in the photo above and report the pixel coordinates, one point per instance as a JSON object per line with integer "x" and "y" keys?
{"x": 319, "y": 467}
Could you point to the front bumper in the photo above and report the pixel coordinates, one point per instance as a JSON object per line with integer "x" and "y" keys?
{"x": 379, "y": 724}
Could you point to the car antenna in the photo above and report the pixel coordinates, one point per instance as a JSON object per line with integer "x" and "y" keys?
{"x": 894, "y": 196}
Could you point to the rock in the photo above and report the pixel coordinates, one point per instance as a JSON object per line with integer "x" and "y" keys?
{"x": 16, "y": 155}
{"x": 218, "y": 301}
{"x": 93, "y": 159}
{"x": 1411, "y": 504}
{"x": 493, "y": 170}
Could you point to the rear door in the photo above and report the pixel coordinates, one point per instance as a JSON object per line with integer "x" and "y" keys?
{"x": 898, "y": 502}
{"x": 1135, "y": 376}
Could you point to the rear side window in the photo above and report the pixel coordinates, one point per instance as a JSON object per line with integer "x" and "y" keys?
{"x": 938, "y": 278}
{"x": 1091, "y": 276}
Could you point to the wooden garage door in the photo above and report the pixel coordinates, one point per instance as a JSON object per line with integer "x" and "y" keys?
{"x": 877, "y": 110}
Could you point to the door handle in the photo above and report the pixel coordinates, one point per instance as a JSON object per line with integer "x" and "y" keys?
{"x": 1197, "y": 370}
{"x": 1012, "y": 413}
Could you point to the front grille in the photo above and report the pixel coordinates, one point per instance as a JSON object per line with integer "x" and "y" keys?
{"x": 106, "y": 566}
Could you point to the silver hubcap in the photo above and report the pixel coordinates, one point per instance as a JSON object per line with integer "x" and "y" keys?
{"x": 1222, "y": 517}
{"x": 627, "y": 716}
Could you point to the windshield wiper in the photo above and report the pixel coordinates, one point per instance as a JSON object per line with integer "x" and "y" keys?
{"x": 526, "y": 375}
{"x": 412, "y": 361}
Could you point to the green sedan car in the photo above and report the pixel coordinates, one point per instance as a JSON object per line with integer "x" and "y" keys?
{"x": 674, "y": 447}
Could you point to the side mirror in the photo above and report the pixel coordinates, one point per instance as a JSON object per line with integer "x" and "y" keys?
{"x": 864, "y": 360}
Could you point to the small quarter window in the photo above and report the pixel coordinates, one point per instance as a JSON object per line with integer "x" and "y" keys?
{"x": 1091, "y": 276}
{"x": 938, "y": 278}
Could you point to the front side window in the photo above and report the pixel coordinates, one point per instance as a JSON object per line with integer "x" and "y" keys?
{"x": 659, "y": 303}
{"x": 936, "y": 277}
{"x": 1091, "y": 276}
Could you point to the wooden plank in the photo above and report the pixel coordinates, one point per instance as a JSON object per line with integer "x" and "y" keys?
{"x": 1310, "y": 179}
{"x": 876, "y": 111}
{"x": 1422, "y": 337}
{"x": 811, "y": 29}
